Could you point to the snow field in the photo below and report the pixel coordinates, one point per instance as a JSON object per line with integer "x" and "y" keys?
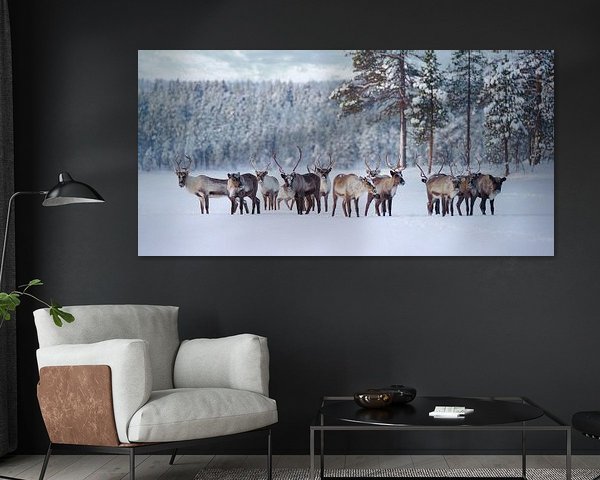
{"x": 170, "y": 223}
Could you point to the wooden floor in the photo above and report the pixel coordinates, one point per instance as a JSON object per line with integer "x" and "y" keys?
{"x": 155, "y": 467}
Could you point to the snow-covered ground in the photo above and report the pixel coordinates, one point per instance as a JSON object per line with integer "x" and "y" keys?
{"x": 170, "y": 223}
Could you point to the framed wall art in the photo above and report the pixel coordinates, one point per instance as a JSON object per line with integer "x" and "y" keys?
{"x": 346, "y": 153}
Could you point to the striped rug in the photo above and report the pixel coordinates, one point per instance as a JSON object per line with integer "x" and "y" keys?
{"x": 304, "y": 474}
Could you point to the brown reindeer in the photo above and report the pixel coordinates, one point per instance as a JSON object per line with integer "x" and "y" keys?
{"x": 351, "y": 187}
{"x": 440, "y": 187}
{"x": 467, "y": 193}
{"x": 240, "y": 186}
{"x": 487, "y": 187}
{"x": 386, "y": 186}
{"x": 306, "y": 187}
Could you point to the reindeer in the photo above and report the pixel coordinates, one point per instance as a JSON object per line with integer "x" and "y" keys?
{"x": 439, "y": 187}
{"x": 269, "y": 186}
{"x": 351, "y": 187}
{"x": 487, "y": 187}
{"x": 323, "y": 172}
{"x": 240, "y": 186}
{"x": 305, "y": 186}
{"x": 286, "y": 194}
{"x": 201, "y": 186}
{"x": 467, "y": 192}
{"x": 386, "y": 185}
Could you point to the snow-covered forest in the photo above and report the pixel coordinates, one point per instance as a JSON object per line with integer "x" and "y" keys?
{"x": 480, "y": 106}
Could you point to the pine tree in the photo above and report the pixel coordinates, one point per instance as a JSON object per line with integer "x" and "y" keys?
{"x": 503, "y": 95}
{"x": 428, "y": 112}
{"x": 465, "y": 83}
{"x": 382, "y": 81}
{"x": 537, "y": 69}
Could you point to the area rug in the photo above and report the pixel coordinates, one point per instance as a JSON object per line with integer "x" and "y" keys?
{"x": 304, "y": 474}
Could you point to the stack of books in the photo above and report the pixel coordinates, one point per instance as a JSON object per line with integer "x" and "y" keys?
{"x": 450, "y": 412}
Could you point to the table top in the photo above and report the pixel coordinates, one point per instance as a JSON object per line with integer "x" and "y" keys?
{"x": 486, "y": 412}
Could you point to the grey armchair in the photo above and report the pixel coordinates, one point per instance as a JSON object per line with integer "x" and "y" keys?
{"x": 118, "y": 380}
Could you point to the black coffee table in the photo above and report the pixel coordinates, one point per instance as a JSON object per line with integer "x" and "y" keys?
{"x": 490, "y": 414}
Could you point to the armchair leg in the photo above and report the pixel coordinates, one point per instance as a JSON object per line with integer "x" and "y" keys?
{"x": 173, "y": 455}
{"x": 131, "y": 464}
{"x": 269, "y": 457}
{"x": 46, "y": 460}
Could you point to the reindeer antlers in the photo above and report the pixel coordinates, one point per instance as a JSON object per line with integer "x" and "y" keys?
{"x": 189, "y": 162}
{"x": 440, "y": 170}
{"x": 255, "y": 167}
{"x": 253, "y": 163}
{"x": 275, "y": 158}
{"x": 373, "y": 169}
{"x": 423, "y": 176}
{"x": 331, "y": 162}
{"x": 299, "y": 158}
{"x": 317, "y": 162}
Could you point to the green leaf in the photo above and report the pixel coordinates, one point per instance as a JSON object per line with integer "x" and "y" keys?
{"x": 66, "y": 316}
{"x": 54, "y": 309}
{"x": 35, "y": 281}
{"x": 55, "y": 317}
{"x": 59, "y": 315}
{"x": 9, "y": 301}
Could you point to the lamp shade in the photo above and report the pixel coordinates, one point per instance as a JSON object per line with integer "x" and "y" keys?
{"x": 68, "y": 191}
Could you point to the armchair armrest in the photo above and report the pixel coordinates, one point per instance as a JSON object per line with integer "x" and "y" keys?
{"x": 76, "y": 404}
{"x": 240, "y": 362}
{"x": 129, "y": 363}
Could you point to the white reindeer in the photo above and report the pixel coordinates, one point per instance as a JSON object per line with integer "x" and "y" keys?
{"x": 201, "y": 186}
{"x": 323, "y": 172}
{"x": 286, "y": 194}
{"x": 269, "y": 186}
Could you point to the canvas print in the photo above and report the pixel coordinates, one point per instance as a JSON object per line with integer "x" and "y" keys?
{"x": 346, "y": 153}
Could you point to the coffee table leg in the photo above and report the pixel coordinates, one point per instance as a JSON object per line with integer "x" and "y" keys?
{"x": 568, "y": 456}
{"x": 523, "y": 455}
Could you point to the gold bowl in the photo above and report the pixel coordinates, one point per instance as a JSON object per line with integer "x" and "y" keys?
{"x": 373, "y": 399}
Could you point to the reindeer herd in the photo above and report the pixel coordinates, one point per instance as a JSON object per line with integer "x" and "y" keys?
{"x": 312, "y": 189}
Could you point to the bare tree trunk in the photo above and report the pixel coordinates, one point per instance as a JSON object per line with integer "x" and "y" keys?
{"x": 431, "y": 106}
{"x": 469, "y": 110}
{"x": 506, "y": 170}
{"x": 402, "y": 111}
{"x": 430, "y": 150}
{"x": 537, "y": 132}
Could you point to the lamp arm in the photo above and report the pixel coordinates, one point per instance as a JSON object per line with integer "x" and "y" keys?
{"x": 10, "y": 201}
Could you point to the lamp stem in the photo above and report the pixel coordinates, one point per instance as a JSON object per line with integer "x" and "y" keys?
{"x": 10, "y": 201}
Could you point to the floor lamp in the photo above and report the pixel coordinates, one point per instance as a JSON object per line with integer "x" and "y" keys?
{"x": 65, "y": 192}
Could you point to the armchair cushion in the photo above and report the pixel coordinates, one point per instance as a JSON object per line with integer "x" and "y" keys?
{"x": 155, "y": 324}
{"x": 191, "y": 413}
{"x": 129, "y": 363}
{"x": 240, "y": 362}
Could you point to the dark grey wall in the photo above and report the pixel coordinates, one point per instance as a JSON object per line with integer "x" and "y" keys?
{"x": 522, "y": 325}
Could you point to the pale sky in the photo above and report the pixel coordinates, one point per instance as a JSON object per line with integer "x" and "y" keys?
{"x": 294, "y": 65}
